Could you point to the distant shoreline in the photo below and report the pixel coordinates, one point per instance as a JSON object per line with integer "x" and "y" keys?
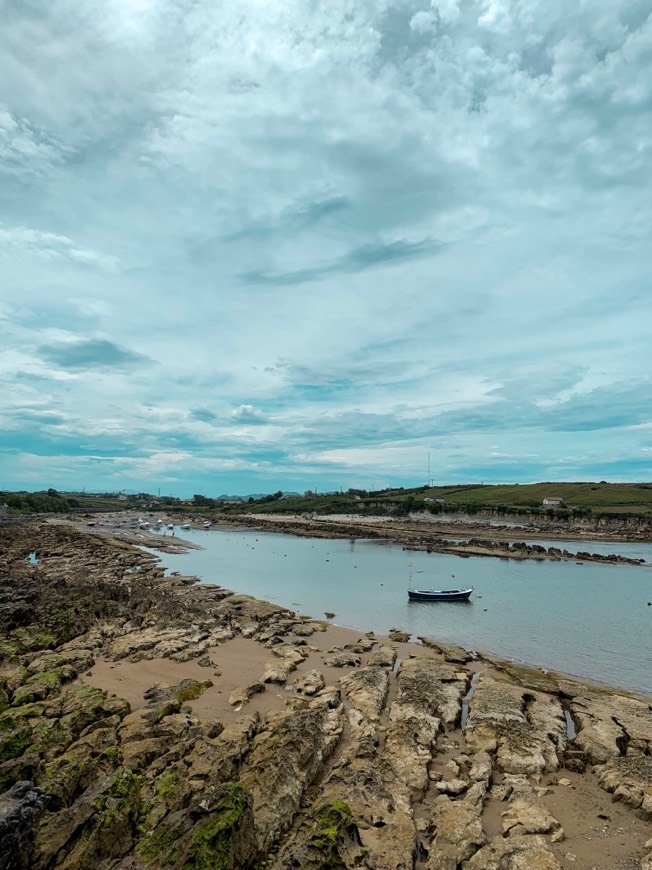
{"x": 483, "y": 539}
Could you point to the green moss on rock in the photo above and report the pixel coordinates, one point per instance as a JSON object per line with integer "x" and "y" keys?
{"x": 193, "y": 690}
{"x": 222, "y": 839}
{"x": 15, "y": 736}
{"x": 332, "y": 828}
{"x": 211, "y": 847}
{"x": 50, "y": 736}
{"x": 167, "y": 785}
{"x": 38, "y": 687}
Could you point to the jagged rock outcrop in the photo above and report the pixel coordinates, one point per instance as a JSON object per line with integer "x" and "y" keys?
{"x": 525, "y": 730}
{"x": 21, "y": 807}
{"x": 366, "y": 689}
{"x": 514, "y": 853}
{"x": 429, "y": 694}
{"x": 526, "y": 812}
{"x": 310, "y": 683}
{"x": 629, "y": 779}
{"x": 374, "y": 772}
{"x": 285, "y": 758}
{"x": 611, "y": 725}
{"x": 458, "y": 832}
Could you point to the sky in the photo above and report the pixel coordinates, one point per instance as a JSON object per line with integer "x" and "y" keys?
{"x": 291, "y": 244}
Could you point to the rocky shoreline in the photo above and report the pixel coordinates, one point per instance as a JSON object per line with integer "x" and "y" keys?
{"x": 146, "y": 722}
{"x": 458, "y": 538}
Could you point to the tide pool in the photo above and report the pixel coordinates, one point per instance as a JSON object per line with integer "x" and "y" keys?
{"x": 589, "y": 620}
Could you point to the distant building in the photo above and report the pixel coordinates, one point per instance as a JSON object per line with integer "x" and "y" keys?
{"x": 550, "y": 502}
{"x": 436, "y": 500}
{"x": 122, "y": 497}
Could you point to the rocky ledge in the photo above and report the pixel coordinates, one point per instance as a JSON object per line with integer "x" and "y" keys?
{"x": 432, "y": 536}
{"x": 306, "y": 748}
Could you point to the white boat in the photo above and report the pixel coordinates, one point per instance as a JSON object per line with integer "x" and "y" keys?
{"x": 171, "y": 526}
{"x": 184, "y": 526}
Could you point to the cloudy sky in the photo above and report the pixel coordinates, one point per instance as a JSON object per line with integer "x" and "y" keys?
{"x": 290, "y": 244}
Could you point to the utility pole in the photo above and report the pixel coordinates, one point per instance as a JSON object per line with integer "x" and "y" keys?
{"x": 429, "y": 484}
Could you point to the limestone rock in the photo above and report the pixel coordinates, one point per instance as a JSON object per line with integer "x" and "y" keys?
{"x": 379, "y": 807}
{"x": 385, "y": 657}
{"x": 428, "y": 692}
{"x": 481, "y": 768}
{"x": 514, "y": 853}
{"x": 278, "y": 671}
{"x": 367, "y": 689}
{"x": 362, "y": 645}
{"x": 310, "y": 683}
{"x": 330, "y": 838}
{"x": 526, "y": 814}
{"x": 451, "y": 786}
{"x": 217, "y": 831}
{"x": 610, "y": 725}
{"x": 526, "y": 730}
{"x": 284, "y": 760}
{"x": 291, "y": 653}
{"x": 450, "y": 652}
{"x": 242, "y": 694}
{"x": 425, "y": 684}
{"x": 106, "y": 815}
{"x": 458, "y": 833}
{"x": 344, "y": 659}
{"x": 629, "y": 779}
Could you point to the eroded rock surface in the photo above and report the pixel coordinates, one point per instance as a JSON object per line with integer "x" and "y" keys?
{"x": 525, "y": 730}
{"x": 21, "y": 807}
{"x": 373, "y": 772}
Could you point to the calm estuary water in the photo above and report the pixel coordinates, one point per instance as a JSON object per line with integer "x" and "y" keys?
{"x": 586, "y": 619}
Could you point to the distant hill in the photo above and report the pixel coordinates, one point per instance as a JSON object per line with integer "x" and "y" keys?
{"x": 582, "y": 497}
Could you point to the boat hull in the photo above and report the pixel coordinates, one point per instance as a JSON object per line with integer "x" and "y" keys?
{"x": 439, "y": 595}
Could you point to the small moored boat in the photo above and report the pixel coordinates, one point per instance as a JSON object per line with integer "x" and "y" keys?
{"x": 440, "y": 594}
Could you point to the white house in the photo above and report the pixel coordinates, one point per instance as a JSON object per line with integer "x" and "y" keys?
{"x": 549, "y": 502}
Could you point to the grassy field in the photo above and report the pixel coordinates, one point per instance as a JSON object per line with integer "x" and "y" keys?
{"x": 598, "y": 498}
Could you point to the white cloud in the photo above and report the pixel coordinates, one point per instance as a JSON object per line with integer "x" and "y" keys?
{"x": 23, "y": 241}
{"x": 344, "y": 221}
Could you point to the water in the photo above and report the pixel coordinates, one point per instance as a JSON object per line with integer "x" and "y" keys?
{"x": 590, "y": 620}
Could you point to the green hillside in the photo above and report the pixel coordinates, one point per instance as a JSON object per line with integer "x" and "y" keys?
{"x": 599, "y": 497}
{"x": 594, "y": 498}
